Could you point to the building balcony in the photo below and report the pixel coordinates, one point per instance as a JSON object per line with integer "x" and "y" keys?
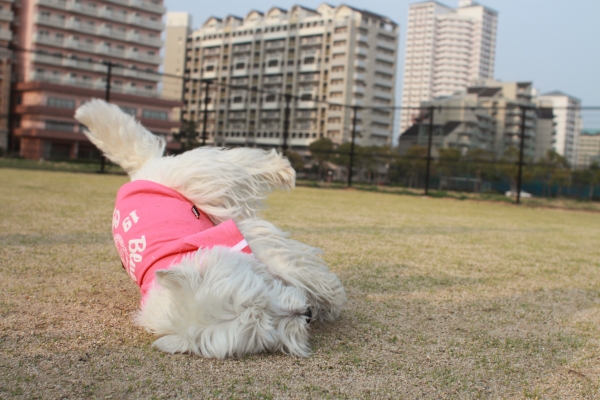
{"x": 381, "y": 119}
{"x": 46, "y": 59}
{"x": 274, "y": 70}
{"x": 48, "y": 40}
{"x": 137, "y": 56}
{"x": 305, "y": 126}
{"x": 147, "y": 6}
{"x": 308, "y": 104}
{"x": 310, "y": 67}
{"x": 358, "y": 89}
{"x": 80, "y": 45}
{"x": 271, "y": 105}
{"x": 145, "y": 23}
{"x": 360, "y": 64}
{"x": 135, "y": 91}
{"x": 362, "y": 51}
{"x": 5, "y": 34}
{"x": 311, "y": 41}
{"x": 381, "y": 132}
{"x": 137, "y": 74}
{"x": 383, "y": 95}
{"x": 49, "y": 21}
{"x": 113, "y": 16}
{"x": 240, "y": 72}
{"x": 58, "y": 4}
{"x": 362, "y": 38}
{"x": 386, "y": 57}
{"x": 64, "y": 80}
{"x": 110, "y": 51}
{"x": 275, "y": 44}
{"x": 359, "y": 77}
{"x": 306, "y": 115}
{"x": 238, "y": 106}
{"x": 77, "y": 26}
{"x": 209, "y": 74}
{"x": 386, "y": 45}
{"x": 111, "y": 33}
{"x": 82, "y": 8}
{"x": 147, "y": 40}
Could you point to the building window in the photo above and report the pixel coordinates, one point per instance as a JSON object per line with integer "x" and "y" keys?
{"x": 60, "y": 103}
{"x": 153, "y": 114}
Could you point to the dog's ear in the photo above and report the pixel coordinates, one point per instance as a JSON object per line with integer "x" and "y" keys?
{"x": 170, "y": 279}
{"x": 172, "y": 344}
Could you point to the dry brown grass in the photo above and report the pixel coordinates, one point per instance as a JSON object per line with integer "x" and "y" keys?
{"x": 447, "y": 299}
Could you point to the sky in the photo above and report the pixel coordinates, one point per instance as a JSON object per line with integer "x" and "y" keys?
{"x": 553, "y": 43}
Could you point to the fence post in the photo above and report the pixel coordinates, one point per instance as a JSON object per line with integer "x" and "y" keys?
{"x": 521, "y": 149}
{"x": 107, "y": 99}
{"x": 286, "y": 123}
{"x": 431, "y": 110}
{"x": 351, "y": 166}
{"x": 205, "y": 117}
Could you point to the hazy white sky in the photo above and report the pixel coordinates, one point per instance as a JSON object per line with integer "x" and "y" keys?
{"x": 554, "y": 43}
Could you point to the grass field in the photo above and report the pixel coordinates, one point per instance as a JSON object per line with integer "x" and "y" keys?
{"x": 447, "y": 299}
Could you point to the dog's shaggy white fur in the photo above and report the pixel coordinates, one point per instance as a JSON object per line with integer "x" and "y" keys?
{"x": 219, "y": 303}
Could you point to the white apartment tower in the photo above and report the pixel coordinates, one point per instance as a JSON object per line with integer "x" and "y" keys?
{"x": 446, "y": 49}
{"x": 567, "y": 115}
{"x": 336, "y": 55}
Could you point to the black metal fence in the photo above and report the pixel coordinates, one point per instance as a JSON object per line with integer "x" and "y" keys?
{"x": 507, "y": 149}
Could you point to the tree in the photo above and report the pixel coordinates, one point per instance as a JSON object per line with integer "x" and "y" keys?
{"x": 322, "y": 151}
{"x": 187, "y": 136}
{"x": 557, "y": 170}
{"x": 448, "y": 163}
{"x": 296, "y": 160}
{"x": 413, "y": 164}
{"x": 589, "y": 177}
{"x": 510, "y": 167}
{"x": 479, "y": 164}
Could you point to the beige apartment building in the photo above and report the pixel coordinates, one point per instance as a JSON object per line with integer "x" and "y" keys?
{"x": 69, "y": 43}
{"x": 589, "y": 148}
{"x": 325, "y": 58}
{"x": 179, "y": 27}
{"x": 446, "y": 49}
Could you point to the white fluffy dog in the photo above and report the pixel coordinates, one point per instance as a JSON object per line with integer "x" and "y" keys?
{"x": 218, "y": 302}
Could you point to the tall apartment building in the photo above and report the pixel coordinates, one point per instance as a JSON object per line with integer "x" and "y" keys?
{"x": 179, "y": 27}
{"x": 506, "y": 101}
{"x": 68, "y": 43}
{"x": 567, "y": 112}
{"x": 6, "y": 19}
{"x": 588, "y": 151}
{"x": 446, "y": 49}
{"x": 545, "y": 134}
{"x": 339, "y": 55}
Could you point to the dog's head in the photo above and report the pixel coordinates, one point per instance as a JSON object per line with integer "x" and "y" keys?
{"x": 221, "y": 304}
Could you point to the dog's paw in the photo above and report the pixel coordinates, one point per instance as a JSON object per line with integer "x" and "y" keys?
{"x": 172, "y": 344}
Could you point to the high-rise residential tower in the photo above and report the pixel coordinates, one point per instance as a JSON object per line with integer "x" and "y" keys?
{"x": 446, "y": 49}
{"x": 179, "y": 26}
{"x": 567, "y": 115}
{"x": 65, "y": 46}
{"x": 339, "y": 55}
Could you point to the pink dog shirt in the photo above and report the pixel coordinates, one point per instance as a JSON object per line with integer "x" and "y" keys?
{"x": 154, "y": 227}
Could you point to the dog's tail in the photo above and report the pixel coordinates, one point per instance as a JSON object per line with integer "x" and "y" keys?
{"x": 118, "y": 135}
